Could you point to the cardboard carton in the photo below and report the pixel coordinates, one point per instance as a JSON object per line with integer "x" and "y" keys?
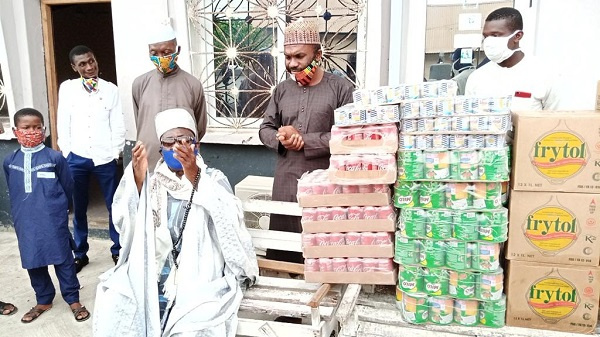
{"x": 557, "y": 151}
{"x": 552, "y": 297}
{"x": 339, "y": 226}
{"x": 384, "y": 278}
{"x": 350, "y": 199}
{"x": 554, "y": 228}
{"x": 379, "y": 251}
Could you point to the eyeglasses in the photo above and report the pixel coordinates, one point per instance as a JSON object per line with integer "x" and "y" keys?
{"x": 168, "y": 142}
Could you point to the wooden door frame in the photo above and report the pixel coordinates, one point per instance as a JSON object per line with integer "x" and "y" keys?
{"x": 50, "y": 62}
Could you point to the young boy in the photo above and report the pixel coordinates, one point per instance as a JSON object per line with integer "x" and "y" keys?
{"x": 40, "y": 186}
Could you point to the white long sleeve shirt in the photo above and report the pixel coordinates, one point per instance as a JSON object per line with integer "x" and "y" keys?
{"x": 90, "y": 125}
{"x": 530, "y": 77}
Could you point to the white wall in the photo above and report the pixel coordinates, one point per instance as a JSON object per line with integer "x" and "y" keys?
{"x": 22, "y": 56}
{"x": 566, "y": 34}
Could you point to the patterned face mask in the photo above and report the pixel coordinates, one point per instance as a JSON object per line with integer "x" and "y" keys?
{"x": 90, "y": 84}
{"x": 165, "y": 64}
{"x": 30, "y": 138}
{"x": 303, "y": 77}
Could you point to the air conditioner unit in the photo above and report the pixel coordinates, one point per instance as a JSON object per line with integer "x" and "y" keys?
{"x": 255, "y": 188}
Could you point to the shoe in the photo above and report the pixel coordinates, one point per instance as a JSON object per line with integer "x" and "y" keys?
{"x": 115, "y": 258}
{"x": 81, "y": 262}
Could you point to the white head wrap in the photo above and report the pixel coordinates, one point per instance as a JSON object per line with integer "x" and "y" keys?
{"x": 172, "y": 119}
{"x": 161, "y": 32}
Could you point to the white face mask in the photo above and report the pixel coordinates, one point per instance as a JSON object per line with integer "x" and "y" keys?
{"x": 496, "y": 47}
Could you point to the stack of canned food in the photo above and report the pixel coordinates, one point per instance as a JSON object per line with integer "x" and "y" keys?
{"x": 462, "y": 165}
{"x": 454, "y": 123}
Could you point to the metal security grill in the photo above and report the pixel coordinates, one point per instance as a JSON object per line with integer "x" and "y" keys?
{"x": 237, "y": 49}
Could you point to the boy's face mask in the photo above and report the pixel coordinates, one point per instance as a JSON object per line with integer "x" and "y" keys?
{"x": 496, "y": 47}
{"x": 166, "y": 64}
{"x": 30, "y": 137}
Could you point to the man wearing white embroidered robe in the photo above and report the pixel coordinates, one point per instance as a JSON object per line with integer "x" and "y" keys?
{"x": 196, "y": 290}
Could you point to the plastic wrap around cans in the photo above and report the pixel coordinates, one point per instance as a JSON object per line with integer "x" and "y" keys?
{"x": 445, "y": 107}
{"x": 460, "y": 123}
{"x": 475, "y": 142}
{"x": 427, "y": 108}
{"x": 439, "y": 142}
{"x": 412, "y": 91}
{"x": 442, "y": 124}
{"x": 501, "y": 123}
{"x": 494, "y": 141}
{"x": 457, "y": 141}
{"x": 410, "y": 109}
{"x": 425, "y": 124}
{"x": 406, "y": 142}
{"x": 429, "y": 89}
{"x": 423, "y": 142}
{"x": 409, "y": 125}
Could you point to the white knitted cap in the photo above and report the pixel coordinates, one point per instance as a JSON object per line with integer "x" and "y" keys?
{"x": 161, "y": 32}
{"x": 172, "y": 119}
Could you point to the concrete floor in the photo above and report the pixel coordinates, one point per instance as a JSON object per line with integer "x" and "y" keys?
{"x": 58, "y": 321}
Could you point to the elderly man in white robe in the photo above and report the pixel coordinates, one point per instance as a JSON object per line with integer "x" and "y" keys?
{"x": 186, "y": 254}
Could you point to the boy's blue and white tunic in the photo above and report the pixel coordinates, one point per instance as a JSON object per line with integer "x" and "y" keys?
{"x": 40, "y": 188}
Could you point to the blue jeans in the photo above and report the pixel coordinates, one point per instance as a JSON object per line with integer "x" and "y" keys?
{"x": 81, "y": 169}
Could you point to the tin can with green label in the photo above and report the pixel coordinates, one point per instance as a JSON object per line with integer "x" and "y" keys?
{"x": 458, "y": 256}
{"x": 411, "y": 165}
{"x": 441, "y": 310}
{"x": 465, "y": 227}
{"x": 435, "y": 281}
{"x": 489, "y": 230}
{"x": 478, "y": 194}
{"x": 438, "y": 230}
{"x": 458, "y": 196}
{"x": 500, "y": 216}
{"x": 487, "y": 195}
{"x": 407, "y": 251}
{"x": 467, "y": 164}
{"x": 432, "y": 194}
{"x": 494, "y": 164}
{"x": 466, "y": 312}
{"x": 414, "y": 308}
{"x": 437, "y": 164}
{"x": 412, "y": 222}
{"x": 410, "y": 279}
{"x": 462, "y": 284}
{"x": 486, "y": 257}
{"x": 432, "y": 253}
{"x": 492, "y": 313}
{"x": 406, "y": 194}
{"x": 490, "y": 286}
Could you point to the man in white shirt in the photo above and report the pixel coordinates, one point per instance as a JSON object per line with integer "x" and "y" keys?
{"x": 510, "y": 71}
{"x": 91, "y": 134}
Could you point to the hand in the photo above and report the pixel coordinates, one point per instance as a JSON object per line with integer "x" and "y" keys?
{"x": 290, "y": 138}
{"x": 139, "y": 160}
{"x": 185, "y": 154}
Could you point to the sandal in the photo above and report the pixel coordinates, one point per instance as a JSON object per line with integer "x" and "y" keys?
{"x": 33, "y": 313}
{"x": 7, "y": 306}
{"x": 81, "y": 262}
{"x": 81, "y": 310}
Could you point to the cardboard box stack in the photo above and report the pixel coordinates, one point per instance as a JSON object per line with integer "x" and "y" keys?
{"x": 452, "y": 160}
{"x": 554, "y": 230}
{"x": 348, "y": 221}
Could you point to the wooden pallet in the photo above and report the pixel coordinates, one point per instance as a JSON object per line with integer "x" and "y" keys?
{"x": 375, "y": 314}
{"x": 271, "y": 297}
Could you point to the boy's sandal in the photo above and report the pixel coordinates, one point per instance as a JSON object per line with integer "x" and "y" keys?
{"x": 79, "y": 311}
{"x": 33, "y": 313}
{"x": 7, "y": 306}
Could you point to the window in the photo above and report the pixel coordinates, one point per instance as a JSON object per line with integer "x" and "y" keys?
{"x": 237, "y": 50}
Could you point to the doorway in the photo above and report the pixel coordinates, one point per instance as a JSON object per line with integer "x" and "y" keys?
{"x": 67, "y": 23}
